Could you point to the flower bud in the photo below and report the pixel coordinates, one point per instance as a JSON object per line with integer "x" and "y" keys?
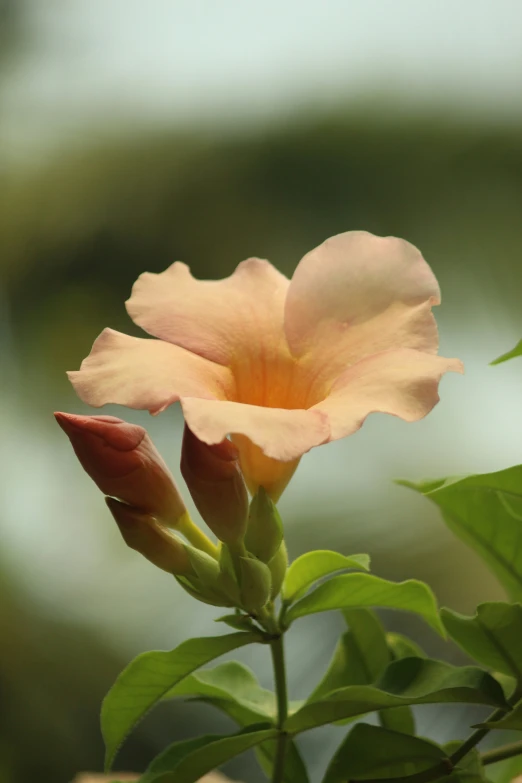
{"x": 216, "y": 484}
{"x": 278, "y": 565}
{"x": 143, "y": 533}
{"x": 265, "y": 528}
{"x": 255, "y": 583}
{"x": 124, "y": 463}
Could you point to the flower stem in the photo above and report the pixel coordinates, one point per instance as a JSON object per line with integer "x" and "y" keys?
{"x": 278, "y": 662}
{"x": 196, "y": 537}
{"x": 502, "y": 753}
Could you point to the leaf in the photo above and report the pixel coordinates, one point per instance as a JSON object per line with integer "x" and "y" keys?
{"x": 485, "y": 511}
{"x": 371, "y": 752}
{"x": 492, "y": 637}
{"x": 510, "y": 722}
{"x": 516, "y": 351}
{"x": 360, "y": 656}
{"x": 183, "y": 762}
{"x": 231, "y": 681}
{"x": 150, "y": 676}
{"x": 238, "y": 621}
{"x": 295, "y": 770}
{"x": 402, "y": 647}
{"x": 363, "y": 590}
{"x": 405, "y": 682}
{"x": 312, "y": 566}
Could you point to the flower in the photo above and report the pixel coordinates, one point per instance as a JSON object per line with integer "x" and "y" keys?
{"x": 124, "y": 463}
{"x": 150, "y": 538}
{"x": 214, "y": 480}
{"x": 281, "y": 366}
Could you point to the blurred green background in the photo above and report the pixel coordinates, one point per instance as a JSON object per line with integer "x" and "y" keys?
{"x": 135, "y": 134}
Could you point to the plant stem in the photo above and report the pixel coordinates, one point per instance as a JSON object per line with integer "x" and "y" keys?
{"x": 499, "y": 754}
{"x": 278, "y": 662}
{"x": 197, "y": 537}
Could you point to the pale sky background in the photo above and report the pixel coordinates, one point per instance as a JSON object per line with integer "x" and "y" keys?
{"x": 93, "y": 62}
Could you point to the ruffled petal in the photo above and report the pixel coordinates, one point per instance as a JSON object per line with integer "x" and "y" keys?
{"x": 270, "y": 441}
{"x": 281, "y": 434}
{"x": 221, "y": 320}
{"x": 146, "y": 374}
{"x": 403, "y": 383}
{"x": 356, "y": 295}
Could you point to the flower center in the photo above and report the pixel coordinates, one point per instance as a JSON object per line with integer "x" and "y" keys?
{"x": 276, "y": 382}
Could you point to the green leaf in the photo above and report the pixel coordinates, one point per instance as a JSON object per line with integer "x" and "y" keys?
{"x": 295, "y": 770}
{"x": 231, "y": 681}
{"x": 485, "y": 511}
{"x": 150, "y": 676}
{"x": 516, "y": 351}
{"x": 493, "y": 637}
{"x": 405, "y": 682}
{"x": 371, "y": 752}
{"x": 360, "y": 656}
{"x": 363, "y": 590}
{"x": 184, "y": 762}
{"x": 510, "y": 722}
{"x": 402, "y": 647}
{"x": 238, "y": 621}
{"x": 312, "y": 566}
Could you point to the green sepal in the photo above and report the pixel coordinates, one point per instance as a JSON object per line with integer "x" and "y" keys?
{"x": 238, "y": 621}
{"x": 255, "y": 583}
{"x": 278, "y": 565}
{"x": 264, "y": 532}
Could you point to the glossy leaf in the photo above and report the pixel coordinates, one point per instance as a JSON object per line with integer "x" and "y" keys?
{"x": 363, "y": 590}
{"x": 187, "y": 762}
{"x": 312, "y": 566}
{"x": 150, "y": 676}
{"x": 485, "y": 511}
{"x": 371, "y": 752}
{"x": 405, "y": 682}
{"x": 516, "y": 351}
{"x": 493, "y": 637}
{"x": 231, "y": 681}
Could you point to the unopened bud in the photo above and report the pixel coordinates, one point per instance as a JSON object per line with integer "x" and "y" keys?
{"x": 214, "y": 480}
{"x": 144, "y": 534}
{"x": 265, "y": 528}
{"x": 278, "y": 565}
{"x": 255, "y": 583}
{"x": 124, "y": 463}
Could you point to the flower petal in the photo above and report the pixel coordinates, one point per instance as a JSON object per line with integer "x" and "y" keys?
{"x": 356, "y": 295}
{"x": 146, "y": 374}
{"x": 270, "y": 440}
{"x": 216, "y": 319}
{"x": 281, "y": 434}
{"x": 403, "y": 383}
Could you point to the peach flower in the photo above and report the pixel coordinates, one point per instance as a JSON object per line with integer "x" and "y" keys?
{"x": 280, "y": 365}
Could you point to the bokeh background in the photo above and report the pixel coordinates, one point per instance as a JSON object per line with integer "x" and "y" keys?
{"x": 134, "y": 134}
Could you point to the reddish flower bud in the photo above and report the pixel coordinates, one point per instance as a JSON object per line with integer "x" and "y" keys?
{"x": 216, "y": 484}
{"x": 151, "y": 539}
{"x": 124, "y": 463}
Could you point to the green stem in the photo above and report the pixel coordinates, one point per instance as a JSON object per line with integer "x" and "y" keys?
{"x": 500, "y": 754}
{"x": 196, "y": 537}
{"x": 278, "y": 662}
